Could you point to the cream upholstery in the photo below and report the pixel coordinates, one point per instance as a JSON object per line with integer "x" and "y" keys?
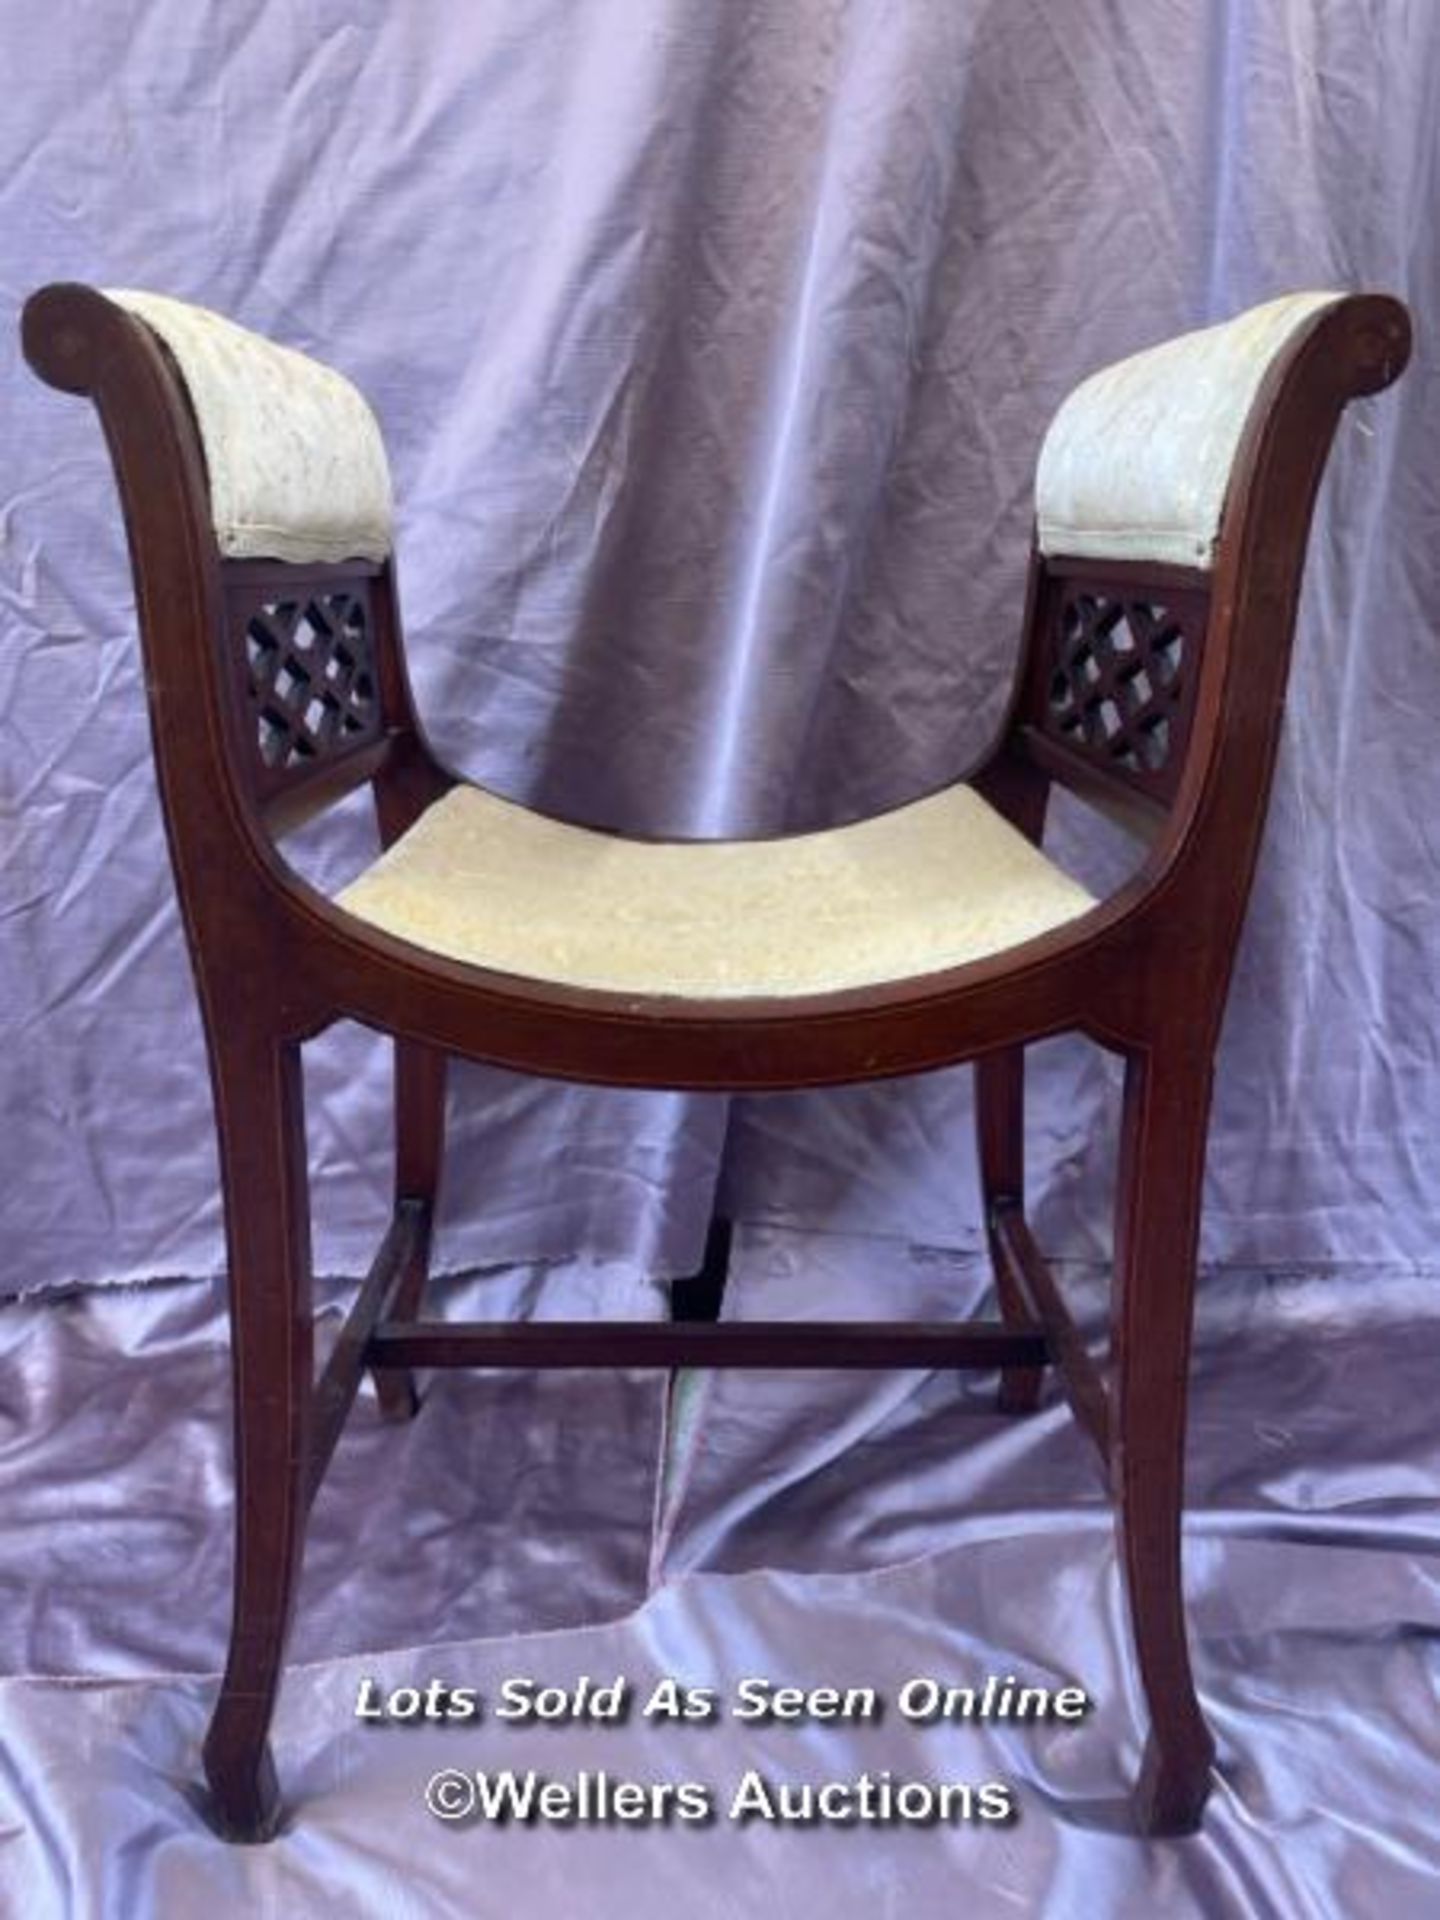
{"x": 1137, "y": 461}
{"x": 296, "y": 463}
{"x": 931, "y": 885}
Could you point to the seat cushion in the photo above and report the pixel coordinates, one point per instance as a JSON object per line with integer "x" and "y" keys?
{"x": 935, "y": 884}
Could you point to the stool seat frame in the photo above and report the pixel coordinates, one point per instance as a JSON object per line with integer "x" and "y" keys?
{"x": 1144, "y": 974}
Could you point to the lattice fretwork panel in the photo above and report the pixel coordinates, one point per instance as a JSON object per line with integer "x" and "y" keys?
{"x": 311, "y": 673}
{"x": 1120, "y": 674}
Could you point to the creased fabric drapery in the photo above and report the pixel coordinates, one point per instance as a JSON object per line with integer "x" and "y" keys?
{"x": 880, "y": 1530}
{"x": 713, "y": 346}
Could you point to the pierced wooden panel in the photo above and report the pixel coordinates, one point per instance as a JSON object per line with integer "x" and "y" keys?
{"x": 1118, "y": 670}
{"x": 310, "y": 677}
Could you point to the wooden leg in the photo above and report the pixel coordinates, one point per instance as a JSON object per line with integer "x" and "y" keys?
{"x": 1162, "y": 1161}
{"x": 419, "y": 1160}
{"x": 260, "y": 1114}
{"x": 1000, "y": 1127}
{"x": 700, "y": 1296}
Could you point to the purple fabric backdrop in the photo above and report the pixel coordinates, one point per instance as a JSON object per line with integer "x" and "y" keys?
{"x": 878, "y": 1530}
{"x": 714, "y": 346}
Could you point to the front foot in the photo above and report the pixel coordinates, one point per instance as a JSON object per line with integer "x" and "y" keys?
{"x": 244, "y": 1804}
{"x": 1172, "y": 1791}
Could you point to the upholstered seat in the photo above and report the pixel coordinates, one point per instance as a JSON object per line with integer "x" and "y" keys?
{"x": 928, "y": 886}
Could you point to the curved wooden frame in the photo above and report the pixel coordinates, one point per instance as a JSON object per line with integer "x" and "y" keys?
{"x": 1144, "y": 974}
